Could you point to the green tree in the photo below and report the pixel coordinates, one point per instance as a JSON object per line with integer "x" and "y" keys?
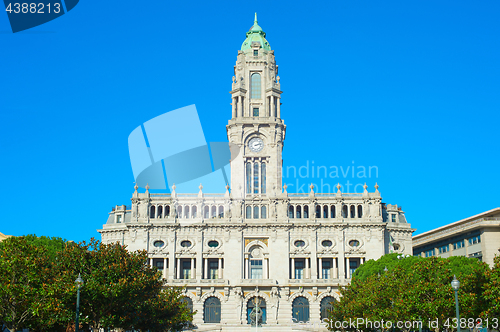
{"x": 412, "y": 289}
{"x": 492, "y": 291}
{"x": 37, "y": 288}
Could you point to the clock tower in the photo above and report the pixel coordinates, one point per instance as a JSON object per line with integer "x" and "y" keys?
{"x": 256, "y": 126}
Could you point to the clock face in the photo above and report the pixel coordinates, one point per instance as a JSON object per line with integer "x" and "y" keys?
{"x": 256, "y": 144}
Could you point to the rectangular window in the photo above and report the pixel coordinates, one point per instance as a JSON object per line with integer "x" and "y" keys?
{"x": 186, "y": 270}
{"x": 255, "y": 112}
{"x": 118, "y": 218}
{"x": 299, "y": 269}
{"x": 353, "y": 265}
{"x": 430, "y": 253}
{"x": 393, "y": 217}
{"x": 459, "y": 244}
{"x": 475, "y": 239}
{"x": 158, "y": 263}
{"x": 325, "y": 269}
{"x": 256, "y": 52}
{"x": 213, "y": 269}
{"x": 444, "y": 249}
{"x": 256, "y": 269}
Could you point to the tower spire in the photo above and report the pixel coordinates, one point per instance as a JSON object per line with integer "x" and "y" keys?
{"x": 255, "y": 20}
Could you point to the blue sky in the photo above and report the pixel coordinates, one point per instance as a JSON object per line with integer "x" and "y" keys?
{"x": 410, "y": 87}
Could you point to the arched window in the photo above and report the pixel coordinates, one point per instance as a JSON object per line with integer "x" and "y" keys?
{"x": 167, "y": 211}
{"x": 221, "y": 211}
{"x": 194, "y": 210}
{"x": 325, "y": 211}
{"x": 214, "y": 211}
{"x": 248, "y": 213}
{"x": 186, "y": 211}
{"x": 256, "y": 311}
{"x": 179, "y": 211}
{"x": 188, "y": 302}
{"x": 344, "y": 211}
{"x": 263, "y": 212}
{"x": 326, "y": 306}
{"x": 318, "y": 211}
{"x": 152, "y": 212}
{"x": 160, "y": 210}
{"x": 249, "y": 178}
{"x": 306, "y": 211}
{"x": 211, "y": 310}
{"x": 353, "y": 211}
{"x": 255, "y": 88}
{"x": 255, "y": 177}
{"x": 256, "y": 212}
{"x": 332, "y": 211}
{"x": 360, "y": 211}
{"x": 290, "y": 211}
{"x": 263, "y": 178}
{"x": 299, "y": 211}
{"x": 206, "y": 212}
{"x": 300, "y": 309}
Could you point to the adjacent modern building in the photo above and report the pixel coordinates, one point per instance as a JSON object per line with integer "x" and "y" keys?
{"x": 477, "y": 236}
{"x": 258, "y": 253}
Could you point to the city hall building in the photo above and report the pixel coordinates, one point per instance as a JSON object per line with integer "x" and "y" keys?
{"x": 258, "y": 253}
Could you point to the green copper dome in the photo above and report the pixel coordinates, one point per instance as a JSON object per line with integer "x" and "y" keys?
{"x": 255, "y": 34}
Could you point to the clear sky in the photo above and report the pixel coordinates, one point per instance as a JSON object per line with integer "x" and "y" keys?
{"x": 408, "y": 87}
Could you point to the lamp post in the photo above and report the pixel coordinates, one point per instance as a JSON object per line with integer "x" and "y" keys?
{"x": 455, "y": 284}
{"x": 79, "y": 283}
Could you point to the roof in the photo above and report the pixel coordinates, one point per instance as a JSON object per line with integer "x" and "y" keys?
{"x": 255, "y": 34}
{"x": 458, "y": 223}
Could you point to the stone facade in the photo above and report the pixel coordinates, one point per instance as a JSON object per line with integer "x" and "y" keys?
{"x": 290, "y": 250}
{"x": 477, "y": 236}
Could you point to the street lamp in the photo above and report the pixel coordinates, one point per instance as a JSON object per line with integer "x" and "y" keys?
{"x": 79, "y": 284}
{"x": 455, "y": 284}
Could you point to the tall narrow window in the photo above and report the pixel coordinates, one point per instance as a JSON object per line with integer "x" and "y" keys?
{"x": 325, "y": 269}
{"x": 263, "y": 212}
{"x": 249, "y": 178}
{"x": 318, "y": 211}
{"x": 299, "y": 269}
{"x": 332, "y": 211}
{"x": 290, "y": 211}
{"x": 248, "y": 212}
{"x": 298, "y": 214}
{"x": 256, "y": 269}
{"x": 255, "y": 112}
{"x": 213, "y": 269}
{"x": 325, "y": 211}
{"x": 255, "y": 177}
{"x": 263, "y": 178}
{"x": 306, "y": 211}
{"x": 360, "y": 211}
{"x": 256, "y": 212}
{"x": 255, "y": 88}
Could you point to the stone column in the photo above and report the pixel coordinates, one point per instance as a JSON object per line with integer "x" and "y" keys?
{"x": 206, "y": 268}
{"x": 320, "y": 276}
{"x": 362, "y": 260}
{"x": 247, "y": 268}
{"x": 193, "y": 275}
{"x": 279, "y": 107}
{"x": 164, "y": 268}
{"x": 348, "y": 270}
{"x": 272, "y": 106}
{"x": 220, "y": 268}
{"x": 264, "y": 269}
{"x": 293, "y": 268}
{"x": 178, "y": 268}
{"x": 240, "y": 109}
{"x": 335, "y": 271}
{"x": 307, "y": 274}
{"x": 234, "y": 107}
